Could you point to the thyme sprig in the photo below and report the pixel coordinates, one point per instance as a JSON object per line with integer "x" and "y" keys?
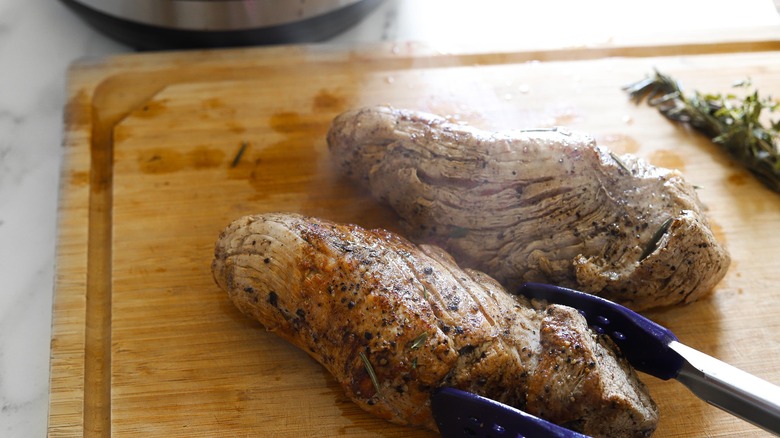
{"x": 734, "y": 123}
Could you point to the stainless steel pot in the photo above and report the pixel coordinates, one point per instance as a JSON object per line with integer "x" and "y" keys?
{"x": 177, "y": 24}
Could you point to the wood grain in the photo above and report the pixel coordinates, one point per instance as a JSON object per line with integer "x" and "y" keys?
{"x": 144, "y": 343}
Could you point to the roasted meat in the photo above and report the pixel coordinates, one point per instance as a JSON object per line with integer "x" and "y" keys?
{"x": 538, "y": 205}
{"x": 392, "y": 321}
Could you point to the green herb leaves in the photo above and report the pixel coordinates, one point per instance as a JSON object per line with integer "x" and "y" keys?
{"x": 370, "y": 371}
{"x": 734, "y": 123}
{"x": 652, "y": 244}
{"x": 419, "y": 340}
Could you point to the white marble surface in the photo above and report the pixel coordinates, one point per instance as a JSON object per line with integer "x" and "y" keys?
{"x": 40, "y": 38}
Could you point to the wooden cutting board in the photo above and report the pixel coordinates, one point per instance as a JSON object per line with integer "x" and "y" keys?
{"x": 145, "y": 344}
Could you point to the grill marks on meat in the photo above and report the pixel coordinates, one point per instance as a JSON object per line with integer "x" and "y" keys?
{"x": 538, "y": 205}
{"x": 342, "y": 293}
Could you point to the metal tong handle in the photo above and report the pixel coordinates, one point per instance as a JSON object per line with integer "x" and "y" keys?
{"x": 731, "y": 389}
{"x": 655, "y": 350}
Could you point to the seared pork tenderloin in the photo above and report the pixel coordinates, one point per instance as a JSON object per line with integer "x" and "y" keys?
{"x": 538, "y": 205}
{"x": 392, "y": 322}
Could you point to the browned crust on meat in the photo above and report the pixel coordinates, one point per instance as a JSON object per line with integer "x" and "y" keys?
{"x": 347, "y": 295}
{"x": 575, "y": 377}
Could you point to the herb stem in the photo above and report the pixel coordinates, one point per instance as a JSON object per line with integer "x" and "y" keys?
{"x": 239, "y": 154}
{"x": 620, "y": 162}
{"x": 652, "y": 244}
{"x": 370, "y": 371}
{"x": 731, "y": 122}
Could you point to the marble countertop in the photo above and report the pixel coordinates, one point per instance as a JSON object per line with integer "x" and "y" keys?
{"x": 39, "y": 39}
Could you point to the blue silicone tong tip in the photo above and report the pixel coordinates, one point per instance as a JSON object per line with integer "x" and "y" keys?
{"x": 644, "y": 343}
{"x": 655, "y": 350}
{"x": 647, "y": 346}
{"x": 464, "y": 414}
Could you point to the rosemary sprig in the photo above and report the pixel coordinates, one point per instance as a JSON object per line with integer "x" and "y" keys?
{"x": 731, "y": 122}
{"x": 370, "y": 371}
{"x": 620, "y": 162}
{"x": 652, "y": 244}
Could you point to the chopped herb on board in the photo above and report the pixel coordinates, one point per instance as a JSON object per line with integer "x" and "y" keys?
{"x": 737, "y": 124}
{"x": 239, "y": 154}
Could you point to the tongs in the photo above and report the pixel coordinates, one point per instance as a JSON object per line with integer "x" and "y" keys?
{"x": 649, "y": 348}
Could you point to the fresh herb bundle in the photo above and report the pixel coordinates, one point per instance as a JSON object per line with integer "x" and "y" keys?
{"x": 731, "y": 122}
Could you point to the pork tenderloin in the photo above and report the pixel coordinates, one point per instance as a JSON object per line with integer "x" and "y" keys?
{"x": 392, "y": 322}
{"x": 537, "y": 205}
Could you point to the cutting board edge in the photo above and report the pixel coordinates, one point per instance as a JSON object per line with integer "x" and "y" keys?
{"x": 66, "y": 379}
{"x": 756, "y": 39}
